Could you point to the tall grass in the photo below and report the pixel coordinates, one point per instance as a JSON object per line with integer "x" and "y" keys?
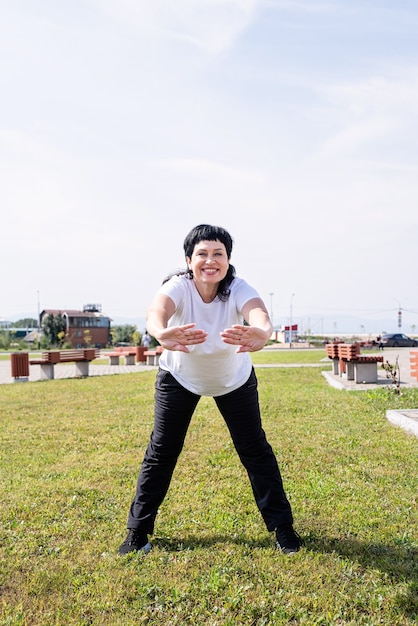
{"x": 70, "y": 454}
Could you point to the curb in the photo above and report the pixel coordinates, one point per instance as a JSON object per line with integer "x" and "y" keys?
{"x": 406, "y": 419}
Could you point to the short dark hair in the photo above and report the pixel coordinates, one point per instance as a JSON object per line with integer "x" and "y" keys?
{"x": 206, "y": 232}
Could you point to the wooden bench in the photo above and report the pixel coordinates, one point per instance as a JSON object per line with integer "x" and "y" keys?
{"x": 347, "y": 353}
{"x": 128, "y": 354}
{"x": 331, "y": 350}
{"x": 348, "y": 362}
{"x": 132, "y": 354}
{"x": 413, "y": 361}
{"x": 81, "y": 357}
{"x": 153, "y": 356}
{"x": 114, "y": 357}
{"x": 365, "y": 369}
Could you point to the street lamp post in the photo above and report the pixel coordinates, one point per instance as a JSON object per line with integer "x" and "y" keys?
{"x": 271, "y": 294}
{"x": 399, "y": 313}
{"x": 291, "y": 321}
{"x": 39, "y": 322}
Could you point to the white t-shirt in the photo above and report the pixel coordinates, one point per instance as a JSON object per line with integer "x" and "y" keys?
{"x": 212, "y": 368}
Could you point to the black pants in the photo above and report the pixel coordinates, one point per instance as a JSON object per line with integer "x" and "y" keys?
{"x": 174, "y": 407}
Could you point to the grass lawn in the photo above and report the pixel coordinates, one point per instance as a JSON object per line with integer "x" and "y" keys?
{"x": 269, "y": 355}
{"x": 70, "y": 454}
{"x": 266, "y": 356}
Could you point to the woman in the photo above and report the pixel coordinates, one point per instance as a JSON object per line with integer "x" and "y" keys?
{"x": 197, "y": 316}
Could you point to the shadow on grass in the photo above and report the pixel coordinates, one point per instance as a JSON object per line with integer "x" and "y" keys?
{"x": 398, "y": 563}
{"x": 192, "y": 542}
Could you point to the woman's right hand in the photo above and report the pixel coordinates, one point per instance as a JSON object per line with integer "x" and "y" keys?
{"x": 179, "y": 337}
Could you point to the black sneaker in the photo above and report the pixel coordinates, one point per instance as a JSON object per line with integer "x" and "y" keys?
{"x": 288, "y": 540}
{"x": 135, "y": 542}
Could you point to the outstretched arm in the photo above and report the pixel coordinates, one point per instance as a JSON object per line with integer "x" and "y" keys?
{"x": 255, "y": 336}
{"x": 174, "y": 337}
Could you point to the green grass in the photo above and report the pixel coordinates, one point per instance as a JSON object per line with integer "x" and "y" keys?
{"x": 296, "y": 355}
{"x": 270, "y": 355}
{"x": 70, "y": 453}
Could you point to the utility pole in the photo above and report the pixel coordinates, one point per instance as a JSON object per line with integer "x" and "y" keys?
{"x": 399, "y": 313}
{"x": 271, "y": 294}
{"x": 39, "y": 322}
{"x": 291, "y": 321}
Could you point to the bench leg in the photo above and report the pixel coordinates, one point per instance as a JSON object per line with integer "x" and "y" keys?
{"x": 350, "y": 370}
{"x": 47, "y": 371}
{"x": 129, "y": 359}
{"x": 335, "y": 366}
{"x": 82, "y": 368}
{"x": 366, "y": 373}
{"x": 114, "y": 360}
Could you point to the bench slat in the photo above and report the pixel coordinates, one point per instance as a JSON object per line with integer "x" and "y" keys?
{"x": 52, "y": 357}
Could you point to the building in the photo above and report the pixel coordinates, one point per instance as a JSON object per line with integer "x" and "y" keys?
{"x": 86, "y": 328}
{"x": 285, "y": 335}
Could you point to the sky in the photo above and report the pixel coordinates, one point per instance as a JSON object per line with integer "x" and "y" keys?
{"x": 292, "y": 124}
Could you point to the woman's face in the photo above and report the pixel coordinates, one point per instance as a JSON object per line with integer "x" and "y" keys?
{"x": 209, "y": 262}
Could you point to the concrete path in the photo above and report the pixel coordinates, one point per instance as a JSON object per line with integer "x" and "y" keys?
{"x": 390, "y": 355}
{"x": 67, "y": 370}
{"x": 407, "y": 419}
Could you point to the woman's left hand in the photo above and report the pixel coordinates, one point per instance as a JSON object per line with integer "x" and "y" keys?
{"x": 247, "y": 338}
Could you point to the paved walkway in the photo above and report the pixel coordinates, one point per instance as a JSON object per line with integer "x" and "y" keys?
{"x": 67, "y": 370}
{"x": 390, "y": 355}
{"x": 407, "y": 419}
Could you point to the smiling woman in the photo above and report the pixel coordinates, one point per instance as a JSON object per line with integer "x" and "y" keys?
{"x": 208, "y": 266}
{"x": 198, "y": 318}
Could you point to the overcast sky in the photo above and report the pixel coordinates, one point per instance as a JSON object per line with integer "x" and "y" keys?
{"x": 293, "y": 124}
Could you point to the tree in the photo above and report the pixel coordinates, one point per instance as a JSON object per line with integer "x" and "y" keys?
{"x": 54, "y": 328}
{"x": 87, "y": 337}
{"x": 5, "y": 339}
{"x": 123, "y": 334}
{"x": 27, "y": 322}
{"x": 136, "y": 338}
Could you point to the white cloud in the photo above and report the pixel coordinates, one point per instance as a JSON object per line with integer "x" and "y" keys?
{"x": 305, "y": 6}
{"x": 355, "y": 137}
{"x": 209, "y": 170}
{"x": 395, "y": 89}
{"x": 33, "y": 176}
{"x": 370, "y": 121}
{"x": 211, "y": 26}
{"x": 292, "y": 123}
